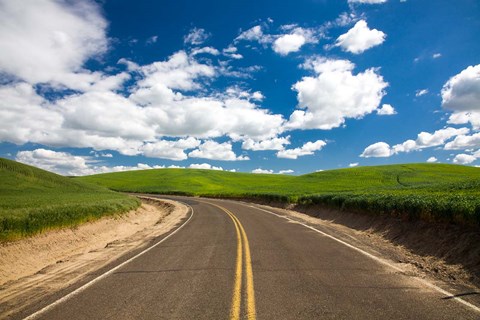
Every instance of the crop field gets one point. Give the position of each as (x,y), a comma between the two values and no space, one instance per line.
(431,192)
(33,200)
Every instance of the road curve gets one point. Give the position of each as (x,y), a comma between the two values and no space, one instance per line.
(235,261)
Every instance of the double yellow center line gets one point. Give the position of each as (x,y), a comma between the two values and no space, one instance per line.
(242,245)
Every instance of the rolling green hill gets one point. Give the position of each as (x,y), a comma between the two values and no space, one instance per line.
(33,200)
(439,192)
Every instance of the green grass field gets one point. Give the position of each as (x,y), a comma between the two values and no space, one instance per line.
(432,192)
(33,200)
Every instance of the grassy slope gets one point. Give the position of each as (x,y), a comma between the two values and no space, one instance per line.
(32,200)
(429,191)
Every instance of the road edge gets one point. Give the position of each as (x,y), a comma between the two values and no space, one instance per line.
(373,257)
(110,271)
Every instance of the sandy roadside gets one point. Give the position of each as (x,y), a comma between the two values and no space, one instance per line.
(33,268)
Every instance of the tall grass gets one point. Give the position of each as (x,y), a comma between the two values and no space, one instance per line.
(34,200)
(431,192)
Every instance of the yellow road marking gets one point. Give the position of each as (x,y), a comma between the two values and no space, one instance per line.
(237,289)
(251,311)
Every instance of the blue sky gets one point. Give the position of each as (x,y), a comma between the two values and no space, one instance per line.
(253,86)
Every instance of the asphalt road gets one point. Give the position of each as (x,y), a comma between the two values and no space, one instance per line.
(234,261)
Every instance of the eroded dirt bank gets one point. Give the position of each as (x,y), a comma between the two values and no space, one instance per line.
(33,268)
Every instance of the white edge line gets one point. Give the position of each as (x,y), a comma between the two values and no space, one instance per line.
(104,275)
(380,260)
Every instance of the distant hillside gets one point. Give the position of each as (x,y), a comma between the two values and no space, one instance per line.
(32,200)
(210,182)
(428,191)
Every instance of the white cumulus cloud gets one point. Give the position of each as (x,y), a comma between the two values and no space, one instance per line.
(269,144)
(461,94)
(67,164)
(180,71)
(205,50)
(158,106)
(427,140)
(334,94)
(464,158)
(432,160)
(462,91)
(262,171)
(25,116)
(205,166)
(293,41)
(464,142)
(464,117)
(308,148)
(360,38)
(216,151)
(257,96)
(282,43)
(288,43)
(59,162)
(49,41)
(424,140)
(172,150)
(386,110)
(377,150)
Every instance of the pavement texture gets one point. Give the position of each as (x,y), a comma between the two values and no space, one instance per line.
(234,261)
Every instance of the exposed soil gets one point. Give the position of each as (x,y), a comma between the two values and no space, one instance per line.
(33,268)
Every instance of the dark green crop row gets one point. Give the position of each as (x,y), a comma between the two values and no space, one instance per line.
(453,208)
(29,221)
(459,209)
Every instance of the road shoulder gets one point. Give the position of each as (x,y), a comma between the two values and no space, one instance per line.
(34,268)
(451,277)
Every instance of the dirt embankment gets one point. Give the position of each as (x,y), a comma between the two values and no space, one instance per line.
(33,268)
